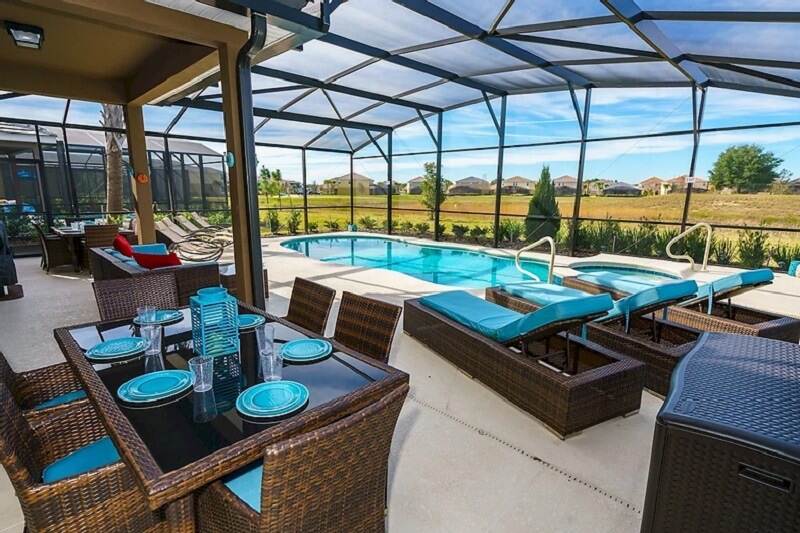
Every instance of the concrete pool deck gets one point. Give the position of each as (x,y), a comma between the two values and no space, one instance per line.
(463,458)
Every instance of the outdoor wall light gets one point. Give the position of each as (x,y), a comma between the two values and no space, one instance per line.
(25,35)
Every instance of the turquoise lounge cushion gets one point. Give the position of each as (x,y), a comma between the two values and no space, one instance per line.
(662,293)
(95,455)
(794,266)
(501,324)
(157,248)
(747,278)
(116,255)
(64,398)
(134,264)
(542,293)
(619,282)
(246,484)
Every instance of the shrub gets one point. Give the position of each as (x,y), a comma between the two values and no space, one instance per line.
(543,204)
(331,224)
(460,231)
(219,218)
(694,245)
(442,228)
(385,225)
(313,226)
(18,224)
(273,221)
(662,238)
(783,254)
(367,222)
(406,226)
(753,249)
(422,227)
(478,231)
(723,251)
(511,230)
(293,221)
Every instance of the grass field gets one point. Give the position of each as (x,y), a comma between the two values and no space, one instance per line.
(726,209)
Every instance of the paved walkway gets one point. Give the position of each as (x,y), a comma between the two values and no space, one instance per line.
(463,458)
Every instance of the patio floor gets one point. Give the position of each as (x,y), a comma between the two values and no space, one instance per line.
(463,458)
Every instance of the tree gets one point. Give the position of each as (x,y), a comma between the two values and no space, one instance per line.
(745,168)
(113,117)
(542,220)
(271,184)
(428,197)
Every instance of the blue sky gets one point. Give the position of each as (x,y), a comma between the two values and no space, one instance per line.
(531,118)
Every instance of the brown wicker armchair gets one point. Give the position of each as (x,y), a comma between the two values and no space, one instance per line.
(44,391)
(119,298)
(98,236)
(55,251)
(332,479)
(102,499)
(310,305)
(367,325)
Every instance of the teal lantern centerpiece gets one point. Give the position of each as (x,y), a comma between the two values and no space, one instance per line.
(215,322)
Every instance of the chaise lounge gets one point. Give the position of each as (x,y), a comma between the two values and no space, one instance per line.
(568,383)
(710,309)
(632,328)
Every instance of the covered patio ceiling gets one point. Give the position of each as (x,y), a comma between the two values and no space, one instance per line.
(387,63)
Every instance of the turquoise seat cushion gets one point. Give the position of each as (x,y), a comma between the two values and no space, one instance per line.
(61,400)
(157,248)
(745,279)
(95,455)
(793,268)
(666,293)
(501,324)
(542,293)
(619,282)
(115,254)
(246,484)
(134,264)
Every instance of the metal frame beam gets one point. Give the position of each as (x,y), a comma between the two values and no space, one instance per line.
(436,225)
(697,125)
(584,46)
(285,115)
(498,189)
(726,16)
(464,27)
(333,87)
(634,17)
(583,120)
(389,184)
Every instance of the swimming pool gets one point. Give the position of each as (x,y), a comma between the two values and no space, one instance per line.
(443,265)
(645,274)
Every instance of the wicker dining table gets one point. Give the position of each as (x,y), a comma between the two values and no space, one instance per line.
(170,454)
(73,238)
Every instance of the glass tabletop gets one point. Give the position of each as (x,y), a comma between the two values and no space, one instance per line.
(170,431)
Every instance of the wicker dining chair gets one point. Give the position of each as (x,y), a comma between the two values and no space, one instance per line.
(101,499)
(98,236)
(367,325)
(331,479)
(44,391)
(119,298)
(55,252)
(310,305)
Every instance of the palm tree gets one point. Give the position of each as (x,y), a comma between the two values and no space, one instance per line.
(113,117)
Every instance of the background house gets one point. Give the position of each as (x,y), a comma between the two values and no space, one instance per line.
(565,185)
(516,185)
(414,185)
(678,184)
(470,185)
(653,185)
(341,186)
(621,189)
(595,187)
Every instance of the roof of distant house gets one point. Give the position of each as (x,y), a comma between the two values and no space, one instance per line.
(418,179)
(356,177)
(566,178)
(471,179)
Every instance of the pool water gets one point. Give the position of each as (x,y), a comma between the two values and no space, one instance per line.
(642,273)
(445,266)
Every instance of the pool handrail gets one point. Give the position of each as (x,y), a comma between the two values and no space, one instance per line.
(534,245)
(709,230)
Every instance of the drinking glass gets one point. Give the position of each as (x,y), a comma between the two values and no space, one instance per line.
(202,372)
(205,406)
(265,337)
(153,360)
(146,314)
(271,363)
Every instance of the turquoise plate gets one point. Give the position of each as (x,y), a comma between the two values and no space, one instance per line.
(250,321)
(155,386)
(272,399)
(117,349)
(167,316)
(306,350)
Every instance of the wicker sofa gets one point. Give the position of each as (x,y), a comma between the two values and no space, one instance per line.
(189,277)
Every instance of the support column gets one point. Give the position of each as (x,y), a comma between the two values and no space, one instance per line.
(142,192)
(237,103)
(305,192)
(498,187)
(352,192)
(584,124)
(697,123)
(389,186)
(436,225)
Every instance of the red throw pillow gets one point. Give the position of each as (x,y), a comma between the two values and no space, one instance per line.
(122,245)
(151,261)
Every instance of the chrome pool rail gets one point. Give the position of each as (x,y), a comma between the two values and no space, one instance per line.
(552,258)
(709,231)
